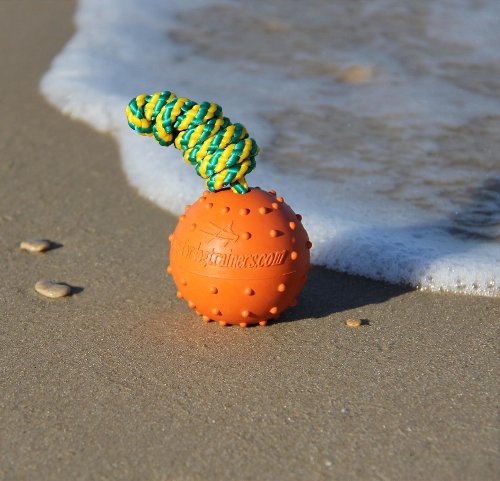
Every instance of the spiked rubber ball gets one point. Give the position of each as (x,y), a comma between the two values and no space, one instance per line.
(239,259)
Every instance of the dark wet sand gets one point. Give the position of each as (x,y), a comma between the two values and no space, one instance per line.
(122,381)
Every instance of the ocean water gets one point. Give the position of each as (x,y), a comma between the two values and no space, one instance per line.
(378,120)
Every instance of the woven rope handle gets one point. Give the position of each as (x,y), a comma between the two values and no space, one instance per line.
(221,151)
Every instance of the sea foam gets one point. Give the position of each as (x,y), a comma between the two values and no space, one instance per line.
(351,181)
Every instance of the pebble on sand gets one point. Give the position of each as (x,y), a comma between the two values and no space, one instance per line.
(353,322)
(356,74)
(35,245)
(52,289)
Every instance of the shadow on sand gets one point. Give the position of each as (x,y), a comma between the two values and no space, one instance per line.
(327,292)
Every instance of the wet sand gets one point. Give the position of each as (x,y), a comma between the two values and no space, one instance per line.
(121,381)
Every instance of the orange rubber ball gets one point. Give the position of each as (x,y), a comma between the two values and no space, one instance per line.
(239,258)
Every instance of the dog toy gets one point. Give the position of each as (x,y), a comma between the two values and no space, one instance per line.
(239,254)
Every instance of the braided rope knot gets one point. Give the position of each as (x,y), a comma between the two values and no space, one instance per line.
(222,152)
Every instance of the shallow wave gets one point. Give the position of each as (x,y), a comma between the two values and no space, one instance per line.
(378,127)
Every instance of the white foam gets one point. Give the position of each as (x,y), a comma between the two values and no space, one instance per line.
(121,49)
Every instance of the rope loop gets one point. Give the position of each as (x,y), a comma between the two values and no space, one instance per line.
(221,152)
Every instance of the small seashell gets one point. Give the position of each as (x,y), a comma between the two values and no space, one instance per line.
(35,245)
(353,322)
(52,289)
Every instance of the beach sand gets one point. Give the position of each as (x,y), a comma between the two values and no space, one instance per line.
(121,381)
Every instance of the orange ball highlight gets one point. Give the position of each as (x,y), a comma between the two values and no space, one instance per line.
(243,260)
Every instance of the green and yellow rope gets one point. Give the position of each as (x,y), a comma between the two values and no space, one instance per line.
(221,151)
